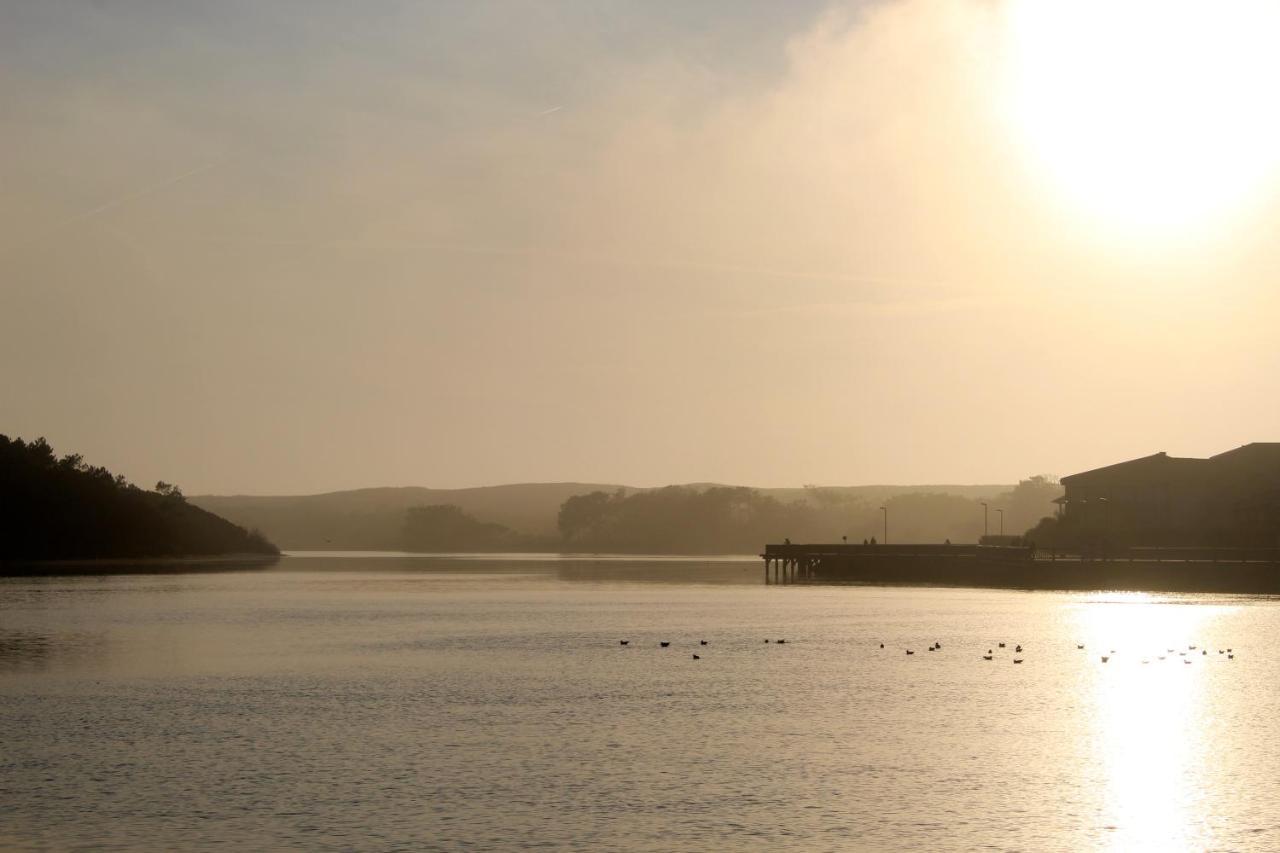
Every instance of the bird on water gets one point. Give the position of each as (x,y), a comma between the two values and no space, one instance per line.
(664,643)
(1017,660)
(987,657)
(702,642)
(697,657)
(910,652)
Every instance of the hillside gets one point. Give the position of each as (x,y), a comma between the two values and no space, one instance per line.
(374,518)
(64,509)
(881,493)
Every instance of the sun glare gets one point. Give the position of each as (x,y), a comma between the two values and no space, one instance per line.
(1148,715)
(1147,116)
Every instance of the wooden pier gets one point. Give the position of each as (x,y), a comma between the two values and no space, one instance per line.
(1228,570)
(788,563)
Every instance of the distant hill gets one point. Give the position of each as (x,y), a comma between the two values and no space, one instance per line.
(55,508)
(373,519)
(882,493)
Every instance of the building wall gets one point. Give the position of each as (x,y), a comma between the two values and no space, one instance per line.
(1233,498)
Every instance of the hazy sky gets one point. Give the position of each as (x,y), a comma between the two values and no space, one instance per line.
(278,247)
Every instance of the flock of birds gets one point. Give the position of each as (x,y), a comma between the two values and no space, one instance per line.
(991,654)
(1017,649)
(667,643)
(1186,654)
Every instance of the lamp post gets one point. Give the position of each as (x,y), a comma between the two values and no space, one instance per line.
(885,510)
(1001,511)
(1104,524)
(984,519)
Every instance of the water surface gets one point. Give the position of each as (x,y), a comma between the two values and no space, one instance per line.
(397,702)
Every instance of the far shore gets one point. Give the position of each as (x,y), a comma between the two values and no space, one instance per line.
(137,565)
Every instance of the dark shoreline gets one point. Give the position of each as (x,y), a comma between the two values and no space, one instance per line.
(1038,575)
(138,565)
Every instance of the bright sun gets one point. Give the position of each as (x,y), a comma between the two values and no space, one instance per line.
(1148,116)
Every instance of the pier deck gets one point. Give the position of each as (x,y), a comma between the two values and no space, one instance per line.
(788,563)
(1227,570)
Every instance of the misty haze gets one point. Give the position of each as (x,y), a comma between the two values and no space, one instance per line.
(639,425)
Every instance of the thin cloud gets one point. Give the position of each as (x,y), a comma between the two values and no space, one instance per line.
(111,205)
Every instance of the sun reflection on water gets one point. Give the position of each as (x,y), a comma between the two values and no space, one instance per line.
(1147,717)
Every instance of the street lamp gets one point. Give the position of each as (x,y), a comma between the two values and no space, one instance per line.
(984,519)
(1001,511)
(885,510)
(1104,522)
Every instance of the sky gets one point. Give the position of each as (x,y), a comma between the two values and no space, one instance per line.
(294,247)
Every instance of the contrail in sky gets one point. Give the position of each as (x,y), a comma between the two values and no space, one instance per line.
(113,204)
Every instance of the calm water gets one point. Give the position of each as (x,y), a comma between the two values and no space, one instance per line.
(403,703)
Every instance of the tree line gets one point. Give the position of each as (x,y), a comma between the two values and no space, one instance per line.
(725,519)
(55,508)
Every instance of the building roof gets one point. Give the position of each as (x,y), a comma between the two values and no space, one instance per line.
(1253,449)
(1140,462)
(1256,452)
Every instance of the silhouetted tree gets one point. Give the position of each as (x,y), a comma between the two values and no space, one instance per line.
(931,517)
(445,527)
(681,519)
(721,519)
(169,490)
(1047,533)
(53,508)
(581,514)
(1029,501)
